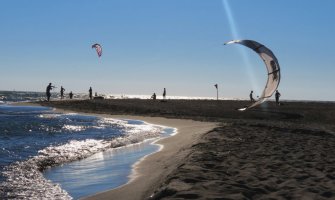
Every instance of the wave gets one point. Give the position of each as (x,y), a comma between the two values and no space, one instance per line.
(24,179)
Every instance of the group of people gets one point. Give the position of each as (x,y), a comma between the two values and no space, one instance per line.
(277,95)
(62,90)
(164,95)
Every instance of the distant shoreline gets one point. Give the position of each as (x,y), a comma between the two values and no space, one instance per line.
(109,96)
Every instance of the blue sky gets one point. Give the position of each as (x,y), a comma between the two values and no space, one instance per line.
(177,44)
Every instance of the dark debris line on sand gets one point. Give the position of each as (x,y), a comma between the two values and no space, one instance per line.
(241,162)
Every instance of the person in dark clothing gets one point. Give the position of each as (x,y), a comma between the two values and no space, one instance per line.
(277,95)
(48,91)
(251,97)
(62,92)
(153,96)
(164,94)
(90,92)
(71,95)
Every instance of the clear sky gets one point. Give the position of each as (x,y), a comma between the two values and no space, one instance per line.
(177,44)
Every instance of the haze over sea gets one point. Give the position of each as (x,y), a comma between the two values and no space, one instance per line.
(42,152)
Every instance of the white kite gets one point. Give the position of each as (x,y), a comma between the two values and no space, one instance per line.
(98,49)
(272,67)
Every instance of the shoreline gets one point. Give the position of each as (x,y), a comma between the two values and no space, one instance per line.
(157,165)
(173,149)
(150,170)
(270,152)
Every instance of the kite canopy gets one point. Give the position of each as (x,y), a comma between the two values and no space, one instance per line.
(272,67)
(97,48)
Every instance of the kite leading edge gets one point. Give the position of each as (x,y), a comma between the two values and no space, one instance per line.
(272,67)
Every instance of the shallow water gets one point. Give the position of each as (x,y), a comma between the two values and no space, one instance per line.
(36,139)
(100,172)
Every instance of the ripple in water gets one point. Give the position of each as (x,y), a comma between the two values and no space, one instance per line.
(61,139)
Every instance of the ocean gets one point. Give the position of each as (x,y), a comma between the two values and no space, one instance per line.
(50,155)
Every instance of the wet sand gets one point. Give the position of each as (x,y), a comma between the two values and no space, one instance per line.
(271,152)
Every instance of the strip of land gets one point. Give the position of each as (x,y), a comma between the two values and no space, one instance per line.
(271,152)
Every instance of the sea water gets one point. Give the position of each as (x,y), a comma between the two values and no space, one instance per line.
(50,155)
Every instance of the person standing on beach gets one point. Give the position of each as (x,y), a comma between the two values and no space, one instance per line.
(62,92)
(90,92)
(48,93)
(277,95)
(71,95)
(164,94)
(153,96)
(251,97)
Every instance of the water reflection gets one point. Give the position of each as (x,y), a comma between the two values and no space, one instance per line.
(102,171)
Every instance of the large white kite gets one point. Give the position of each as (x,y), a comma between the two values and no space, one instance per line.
(272,67)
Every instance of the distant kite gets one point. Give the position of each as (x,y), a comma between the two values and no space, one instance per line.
(272,67)
(98,49)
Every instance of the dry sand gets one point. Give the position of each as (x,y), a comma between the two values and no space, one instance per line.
(270,152)
(255,161)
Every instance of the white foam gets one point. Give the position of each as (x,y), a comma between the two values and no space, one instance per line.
(25,180)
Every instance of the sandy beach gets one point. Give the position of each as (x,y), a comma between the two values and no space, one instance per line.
(271,152)
(153,169)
